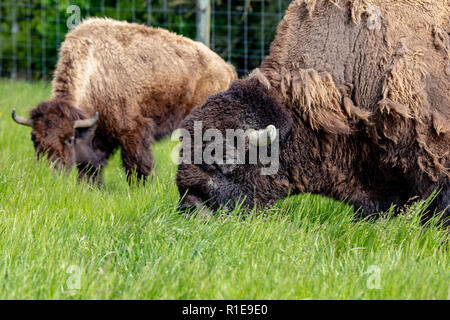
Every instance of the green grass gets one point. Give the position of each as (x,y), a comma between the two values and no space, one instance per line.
(130,242)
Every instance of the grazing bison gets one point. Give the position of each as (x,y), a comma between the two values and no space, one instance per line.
(359,93)
(140,82)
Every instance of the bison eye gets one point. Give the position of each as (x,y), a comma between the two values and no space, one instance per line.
(69,141)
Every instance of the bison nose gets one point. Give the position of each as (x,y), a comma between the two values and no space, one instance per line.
(185,208)
(195,210)
(189,203)
(193,205)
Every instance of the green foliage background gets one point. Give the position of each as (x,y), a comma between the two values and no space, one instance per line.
(31,31)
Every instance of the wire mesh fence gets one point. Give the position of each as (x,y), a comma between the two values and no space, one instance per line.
(32,31)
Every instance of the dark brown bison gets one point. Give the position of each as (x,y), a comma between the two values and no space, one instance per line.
(359,92)
(140,82)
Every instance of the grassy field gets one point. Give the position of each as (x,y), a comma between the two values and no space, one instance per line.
(62,239)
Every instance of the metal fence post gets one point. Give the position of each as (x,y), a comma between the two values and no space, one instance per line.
(203,21)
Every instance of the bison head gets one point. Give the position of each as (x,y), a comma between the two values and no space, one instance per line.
(247,123)
(61,132)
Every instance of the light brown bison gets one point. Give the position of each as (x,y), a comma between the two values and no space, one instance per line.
(140,82)
(360,94)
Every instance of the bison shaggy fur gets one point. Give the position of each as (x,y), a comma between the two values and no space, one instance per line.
(141,81)
(360,93)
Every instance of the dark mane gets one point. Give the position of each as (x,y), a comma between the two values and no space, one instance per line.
(57,108)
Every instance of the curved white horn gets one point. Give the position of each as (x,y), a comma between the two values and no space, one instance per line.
(263,137)
(86,123)
(21,120)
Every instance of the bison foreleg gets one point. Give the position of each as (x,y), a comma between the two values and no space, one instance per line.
(136,156)
(371,207)
(441,204)
(137,161)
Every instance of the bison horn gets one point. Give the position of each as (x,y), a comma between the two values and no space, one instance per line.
(263,137)
(21,120)
(86,123)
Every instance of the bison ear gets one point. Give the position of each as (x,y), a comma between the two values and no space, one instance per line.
(284,124)
(85,127)
(85,133)
(269,112)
